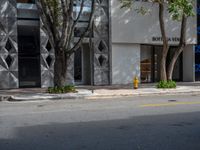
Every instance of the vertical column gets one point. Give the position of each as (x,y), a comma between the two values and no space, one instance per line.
(47,58)
(101,69)
(8,45)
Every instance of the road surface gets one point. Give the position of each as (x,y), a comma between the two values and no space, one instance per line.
(129,123)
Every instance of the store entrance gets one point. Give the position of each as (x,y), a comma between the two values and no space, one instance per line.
(29,56)
(150,64)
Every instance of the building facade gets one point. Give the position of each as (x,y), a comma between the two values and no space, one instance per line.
(136,40)
(27,57)
(123,44)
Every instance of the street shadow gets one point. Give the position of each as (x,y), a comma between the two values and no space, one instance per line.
(161,132)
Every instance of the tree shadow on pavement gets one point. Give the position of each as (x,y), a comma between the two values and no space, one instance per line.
(161,132)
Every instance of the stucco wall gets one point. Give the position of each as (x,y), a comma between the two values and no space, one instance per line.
(125,63)
(130,27)
(188,64)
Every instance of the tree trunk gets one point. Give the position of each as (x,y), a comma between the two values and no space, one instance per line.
(163,76)
(170,68)
(60,69)
(179,50)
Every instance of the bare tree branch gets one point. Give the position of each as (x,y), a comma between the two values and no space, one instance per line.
(77,44)
(67,44)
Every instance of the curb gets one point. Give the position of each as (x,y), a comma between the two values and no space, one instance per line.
(53,97)
(44,96)
(35,97)
(95,94)
(90,95)
(142,94)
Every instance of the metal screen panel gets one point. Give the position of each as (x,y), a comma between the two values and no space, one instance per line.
(8,45)
(47,58)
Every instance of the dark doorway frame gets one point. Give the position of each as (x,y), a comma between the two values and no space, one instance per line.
(29,59)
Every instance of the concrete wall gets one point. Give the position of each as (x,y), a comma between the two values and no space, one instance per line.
(125,62)
(130,27)
(188,64)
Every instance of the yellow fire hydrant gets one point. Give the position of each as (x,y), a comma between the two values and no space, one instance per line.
(135,82)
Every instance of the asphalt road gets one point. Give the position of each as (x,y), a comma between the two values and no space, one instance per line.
(137,123)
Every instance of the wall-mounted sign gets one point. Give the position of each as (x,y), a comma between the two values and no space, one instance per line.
(170,39)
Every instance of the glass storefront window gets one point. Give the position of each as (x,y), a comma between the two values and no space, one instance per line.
(197,49)
(86,10)
(197,63)
(146,64)
(150,63)
(84,18)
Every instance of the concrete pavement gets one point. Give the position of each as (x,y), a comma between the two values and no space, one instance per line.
(94,92)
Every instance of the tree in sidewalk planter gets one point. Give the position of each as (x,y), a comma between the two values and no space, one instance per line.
(179,10)
(60,19)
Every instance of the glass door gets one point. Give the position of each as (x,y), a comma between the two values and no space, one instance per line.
(29,57)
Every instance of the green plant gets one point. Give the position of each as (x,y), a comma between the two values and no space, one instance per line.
(64,89)
(166,84)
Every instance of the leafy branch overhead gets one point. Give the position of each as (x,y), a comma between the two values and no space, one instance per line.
(177,8)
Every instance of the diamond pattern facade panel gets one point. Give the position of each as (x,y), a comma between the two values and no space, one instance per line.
(47,58)
(101,43)
(8,45)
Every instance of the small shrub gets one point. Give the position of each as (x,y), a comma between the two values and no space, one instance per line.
(64,89)
(166,84)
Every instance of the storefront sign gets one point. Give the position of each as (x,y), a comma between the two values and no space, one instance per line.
(170,39)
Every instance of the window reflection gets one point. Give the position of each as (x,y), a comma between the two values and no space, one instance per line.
(86,9)
(84,18)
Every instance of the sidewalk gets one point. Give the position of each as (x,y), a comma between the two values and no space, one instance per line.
(97,92)
(143,90)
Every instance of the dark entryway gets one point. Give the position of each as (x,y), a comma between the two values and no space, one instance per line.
(82,65)
(29,56)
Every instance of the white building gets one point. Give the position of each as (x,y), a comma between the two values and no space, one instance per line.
(137,44)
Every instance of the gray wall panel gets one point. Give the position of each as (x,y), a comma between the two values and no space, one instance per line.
(8,45)
(48,55)
(101,70)
(47,58)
